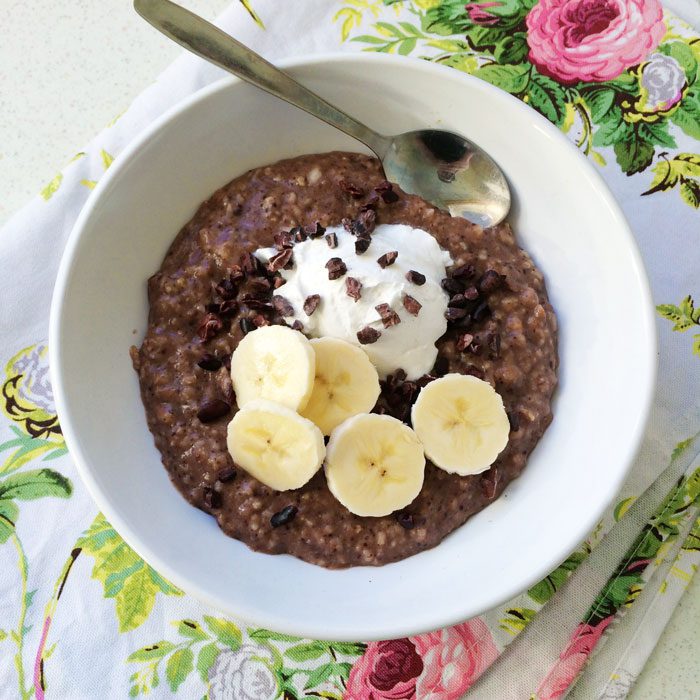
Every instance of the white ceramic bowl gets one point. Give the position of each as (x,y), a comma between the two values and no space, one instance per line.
(564,216)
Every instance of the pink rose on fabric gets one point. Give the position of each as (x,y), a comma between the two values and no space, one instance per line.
(453,659)
(386,671)
(571,660)
(592,40)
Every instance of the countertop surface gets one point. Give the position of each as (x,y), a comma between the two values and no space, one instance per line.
(89,60)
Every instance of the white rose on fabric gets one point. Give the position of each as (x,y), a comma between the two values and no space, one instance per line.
(242,675)
(35,387)
(619,687)
(662,80)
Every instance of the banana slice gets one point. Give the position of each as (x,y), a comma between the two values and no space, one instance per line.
(461,422)
(275,445)
(274,363)
(374,464)
(346,383)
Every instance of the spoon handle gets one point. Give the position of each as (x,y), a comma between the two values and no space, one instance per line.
(209,42)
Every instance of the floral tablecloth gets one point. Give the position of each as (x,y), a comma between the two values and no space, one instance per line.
(82,616)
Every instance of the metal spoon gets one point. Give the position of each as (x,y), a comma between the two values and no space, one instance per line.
(444,168)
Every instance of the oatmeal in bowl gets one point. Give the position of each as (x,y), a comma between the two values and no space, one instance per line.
(498,538)
(311,299)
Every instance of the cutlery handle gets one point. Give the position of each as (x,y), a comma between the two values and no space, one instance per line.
(209,42)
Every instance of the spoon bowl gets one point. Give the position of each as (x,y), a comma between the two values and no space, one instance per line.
(444,168)
(451,172)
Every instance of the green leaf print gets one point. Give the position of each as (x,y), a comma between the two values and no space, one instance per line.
(349,648)
(513,79)
(683,170)
(687,116)
(516,620)
(614,128)
(26,448)
(447,17)
(683,54)
(253,14)
(612,597)
(541,592)
(263,635)
(225,631)
(51,189)
(107,158)
(655,133)
(684,316)
(681,447)
(600,101)
(205,659)
(306,651)
(135,594)
(179,666)
(153,651)
(692,542)
(191,630)
(622,507)
(320,675)
(547,97)
(690,193)
(125,576)
(35,483)
(9,512)
(513,49)
(692,486)
(633,155)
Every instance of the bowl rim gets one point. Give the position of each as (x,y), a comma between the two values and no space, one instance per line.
(402,627)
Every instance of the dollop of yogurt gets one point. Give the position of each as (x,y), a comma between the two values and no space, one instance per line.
(409,344)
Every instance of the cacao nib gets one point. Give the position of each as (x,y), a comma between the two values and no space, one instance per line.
(226,474)
(388,258)
(280,260)
(413,306)
(246,325)
(212,499)
(368,335)
(284,516)
(209,327)
(209,362)
(212,409)
(353,288)
(415,277)
(336,268)
(315,230)
(361,245)
(354,191)
(282,306)
(464,341)
(490,281)
(451,285)
(311,304)
(388,315)
(386,191)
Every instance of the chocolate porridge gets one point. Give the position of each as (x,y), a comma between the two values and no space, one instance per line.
(210,291)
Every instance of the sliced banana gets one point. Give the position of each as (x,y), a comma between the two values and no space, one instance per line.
(275,363)
(461,422)
(374,464)
(346,383)
(275,445)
